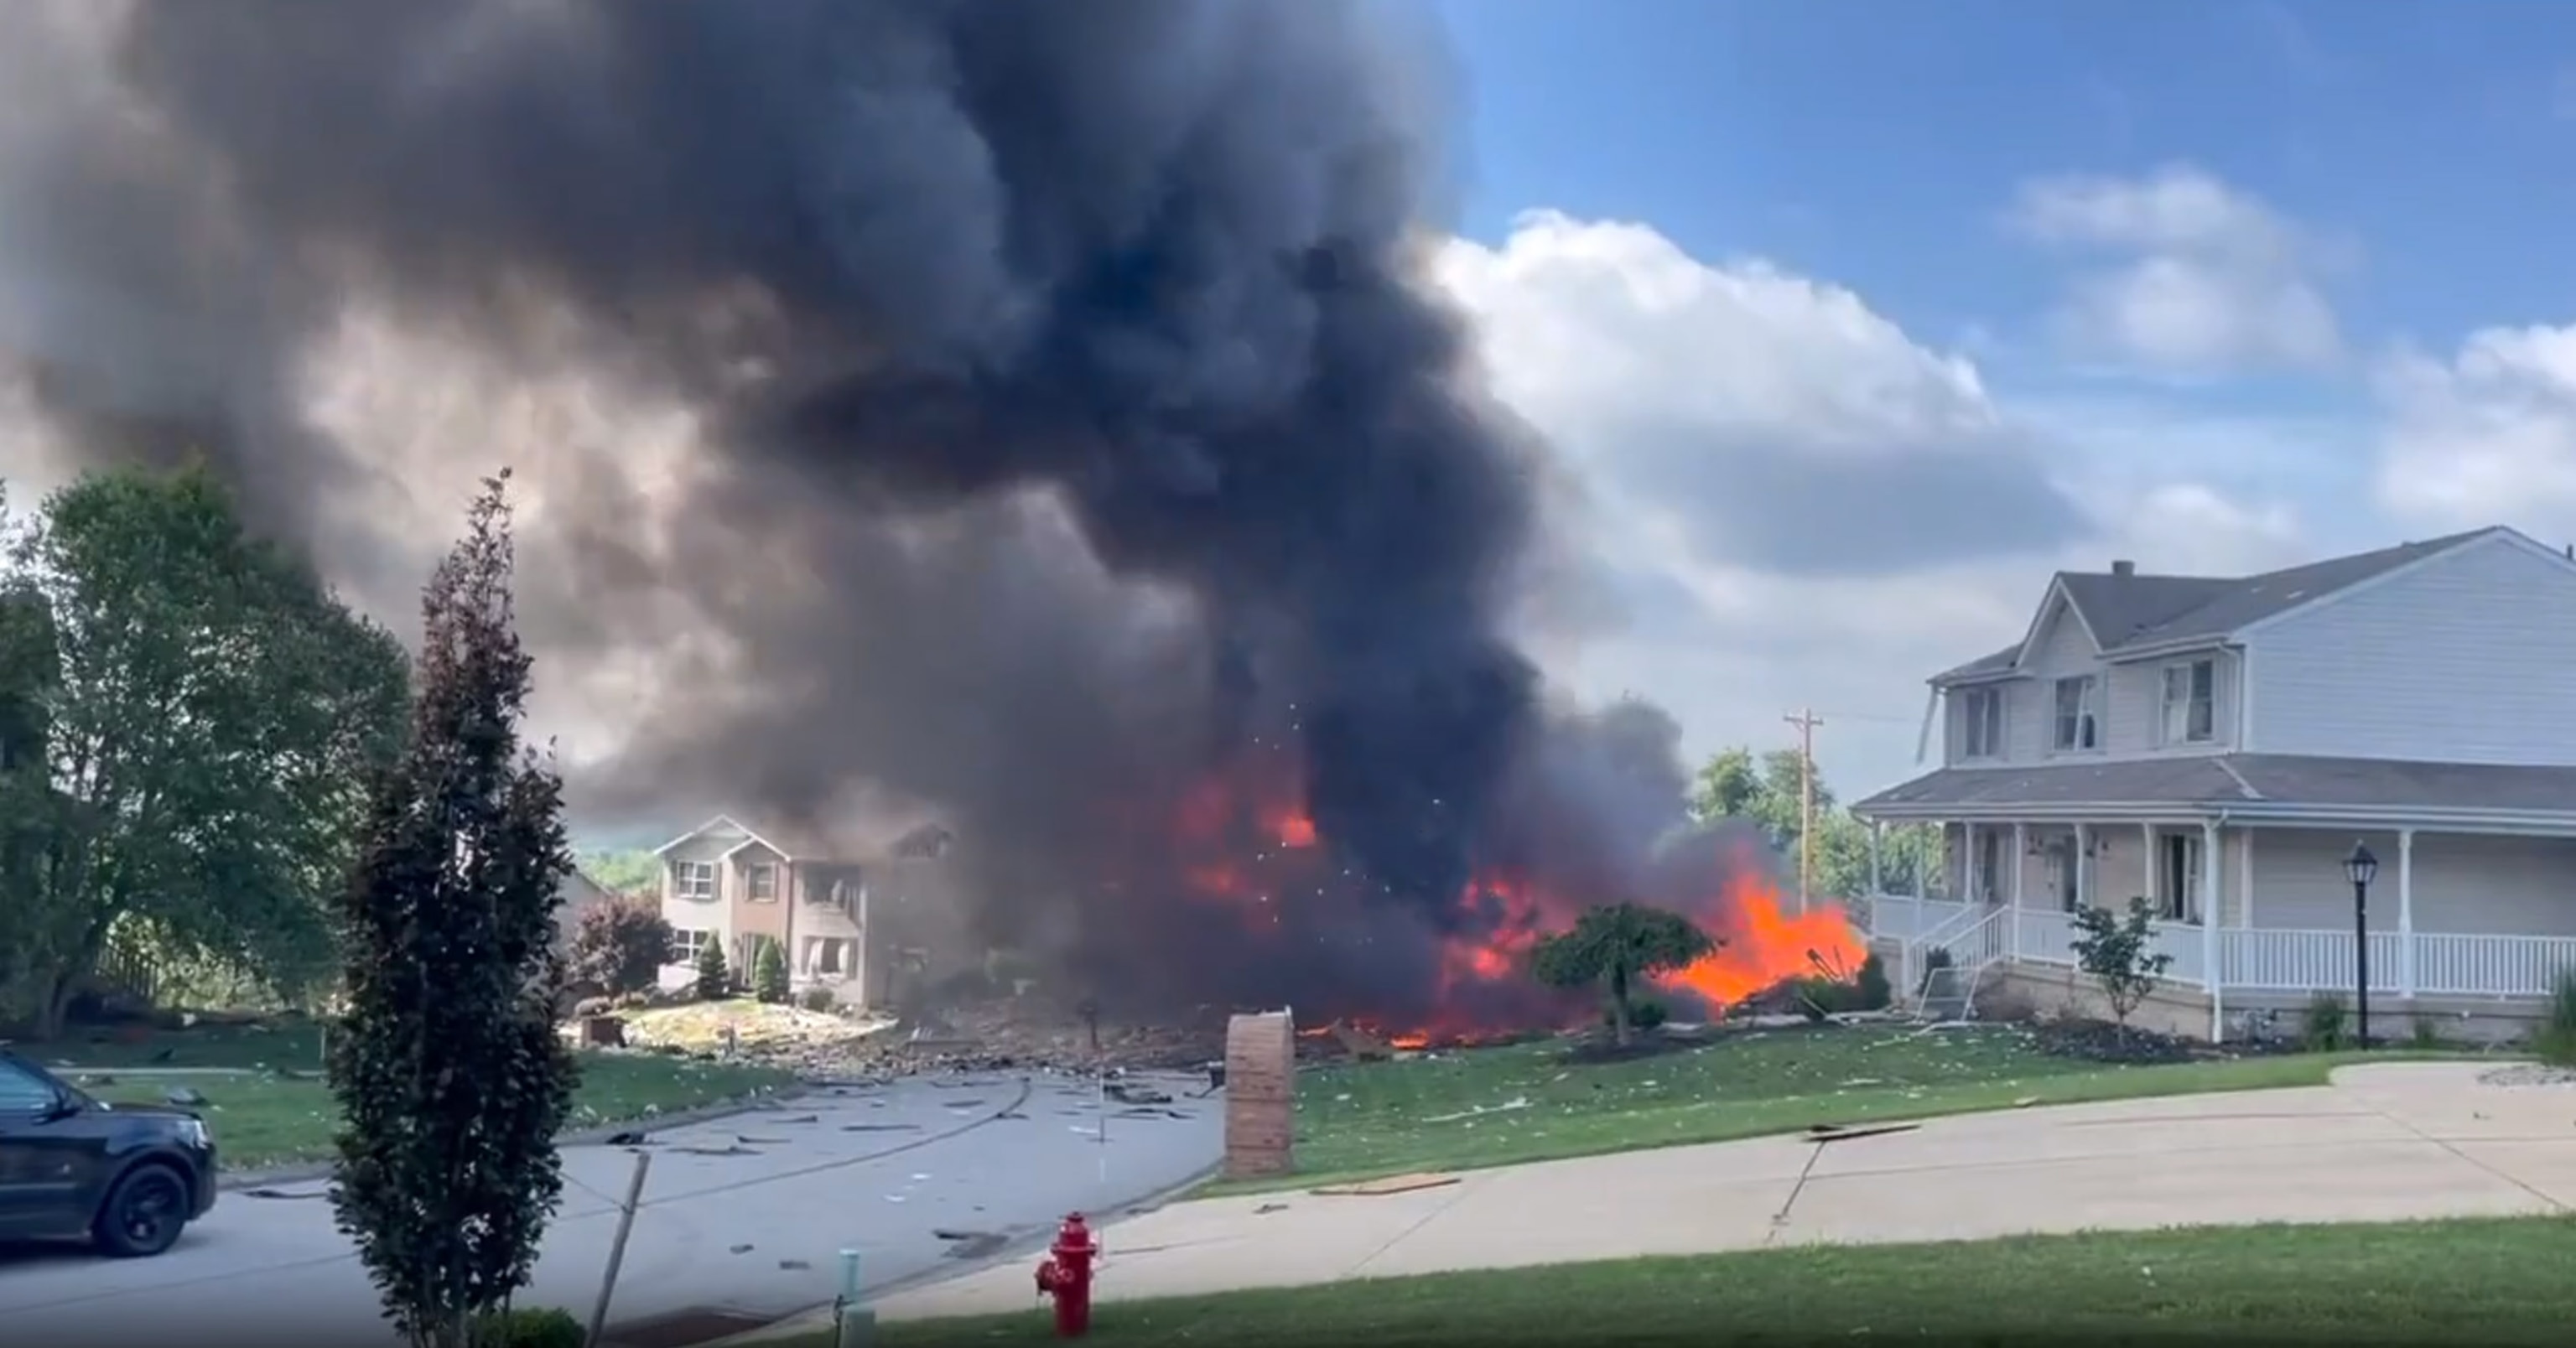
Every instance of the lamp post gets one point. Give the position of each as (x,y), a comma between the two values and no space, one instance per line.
(2360,868)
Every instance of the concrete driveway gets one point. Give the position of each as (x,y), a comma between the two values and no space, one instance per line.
(2385,1142)
(746,1214)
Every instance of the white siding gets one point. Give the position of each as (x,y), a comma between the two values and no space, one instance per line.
(2127,704)
(2464,884)
(2462,659)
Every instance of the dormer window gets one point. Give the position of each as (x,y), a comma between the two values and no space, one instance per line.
(1981,723)
(2078,723)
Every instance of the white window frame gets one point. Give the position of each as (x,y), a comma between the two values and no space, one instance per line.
(2187,702)
(760,875)
(1981,722)
(2077,730)
(837,967)
(694,880)
(687,943)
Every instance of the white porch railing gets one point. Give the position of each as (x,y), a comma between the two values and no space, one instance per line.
(2255,959)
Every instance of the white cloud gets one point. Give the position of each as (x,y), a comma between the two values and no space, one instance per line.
(2189,275)
(2486,436)
(1810,417)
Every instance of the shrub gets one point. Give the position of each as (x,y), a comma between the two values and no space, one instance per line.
(769,974)
(1934,961)
(1644,1013)
(620,946)
(2323,1027)
(2556,1040)
(715,980)
(532,1327)
(2425,1034)
(1875,991)
(819,999)
(2120,955)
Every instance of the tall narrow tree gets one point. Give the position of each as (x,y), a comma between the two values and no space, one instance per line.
(450,1073)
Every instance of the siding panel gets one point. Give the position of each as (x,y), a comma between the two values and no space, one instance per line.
(2462,660)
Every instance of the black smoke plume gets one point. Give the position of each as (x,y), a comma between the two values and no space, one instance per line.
(1076,427)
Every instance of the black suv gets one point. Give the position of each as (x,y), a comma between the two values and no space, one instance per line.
(129,1177)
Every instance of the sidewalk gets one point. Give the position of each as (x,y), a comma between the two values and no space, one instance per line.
(2385,1142)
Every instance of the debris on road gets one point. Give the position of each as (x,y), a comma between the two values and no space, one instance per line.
(1380,1188)
(1846,1132)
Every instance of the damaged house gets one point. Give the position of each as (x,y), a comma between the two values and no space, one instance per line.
(844,922)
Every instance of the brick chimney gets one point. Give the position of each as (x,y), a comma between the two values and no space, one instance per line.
(2124,567)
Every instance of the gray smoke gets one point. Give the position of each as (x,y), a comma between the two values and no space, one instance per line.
(1078,431)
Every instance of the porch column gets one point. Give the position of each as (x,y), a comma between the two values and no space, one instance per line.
(2150,874)
(1923,868)
(2244,877)
(2209,909)
(2083,865)
(1968,863)
(2021,869)
(2406,912)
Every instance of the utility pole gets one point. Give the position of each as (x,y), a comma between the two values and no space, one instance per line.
(1806,720)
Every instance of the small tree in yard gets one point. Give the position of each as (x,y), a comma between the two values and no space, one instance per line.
(769,974)
(451,1077)
(2119,953)
(620,946)
(1614,946)
(715,980)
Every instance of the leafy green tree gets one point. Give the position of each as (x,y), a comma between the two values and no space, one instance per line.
(1614,946)
(769,973)
(623,870)
(451,1076)
(715,978)
(1764,791)
(209,718)
(2118,951)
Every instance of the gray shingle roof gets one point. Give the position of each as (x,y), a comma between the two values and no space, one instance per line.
(2236,779)
(2147,610)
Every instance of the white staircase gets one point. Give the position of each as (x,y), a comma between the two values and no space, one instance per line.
(1973,942)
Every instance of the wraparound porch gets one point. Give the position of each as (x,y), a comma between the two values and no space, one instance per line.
(2254,914)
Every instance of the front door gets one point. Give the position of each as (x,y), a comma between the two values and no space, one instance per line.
(1990,866)
(2179,882)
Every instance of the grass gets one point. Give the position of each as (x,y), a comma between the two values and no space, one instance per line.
(2487,1281)
(1504,1106)
(269,1107)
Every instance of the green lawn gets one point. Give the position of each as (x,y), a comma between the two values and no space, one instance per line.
(268,1105)
(1503,1106)
(2496,1281)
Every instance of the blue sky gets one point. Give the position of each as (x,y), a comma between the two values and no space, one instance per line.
(2242,283)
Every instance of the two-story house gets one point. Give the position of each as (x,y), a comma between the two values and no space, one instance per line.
(2223,746)
(726,885)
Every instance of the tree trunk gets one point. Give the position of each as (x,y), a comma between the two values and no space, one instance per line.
(1619,1007)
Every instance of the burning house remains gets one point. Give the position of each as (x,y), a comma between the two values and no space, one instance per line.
(1050,425)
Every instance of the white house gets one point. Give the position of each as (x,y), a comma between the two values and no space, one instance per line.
(2220,745)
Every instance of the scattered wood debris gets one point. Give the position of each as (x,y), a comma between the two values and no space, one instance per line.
(1379,1188)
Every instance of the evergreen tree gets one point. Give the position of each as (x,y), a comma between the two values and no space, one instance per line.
(715,979)
(769,973)
(451,1076)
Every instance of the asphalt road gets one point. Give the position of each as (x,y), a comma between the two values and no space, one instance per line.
(746,1214)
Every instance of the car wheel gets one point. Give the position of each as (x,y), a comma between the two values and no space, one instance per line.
(143,1214)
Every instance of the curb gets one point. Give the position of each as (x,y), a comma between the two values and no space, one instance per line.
(590,1136)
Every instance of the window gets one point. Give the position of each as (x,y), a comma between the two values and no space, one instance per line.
(2178,878)
(22,1091)
(693,879)
(764,882)
(827,957)
(1981,723)
(687,944)
(2191,703)
(2077,728)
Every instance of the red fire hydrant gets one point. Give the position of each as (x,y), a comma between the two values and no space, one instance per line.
(1065,1274)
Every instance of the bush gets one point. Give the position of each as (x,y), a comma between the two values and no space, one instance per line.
(1644,1013)
(819,999)
(769,974)
(1934,960)
(2322,1027)
(2119,954)
(620,946)
(715,981)
(2556,1040)
(1876,993)
(534,1327)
